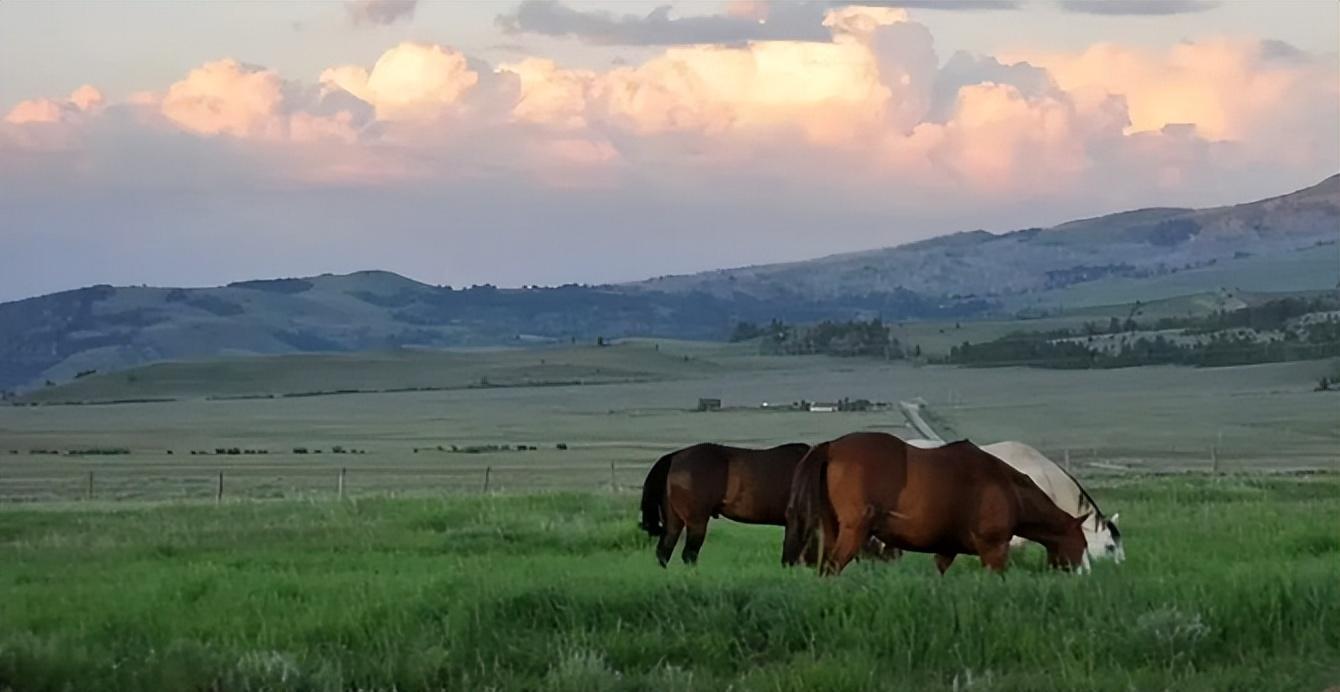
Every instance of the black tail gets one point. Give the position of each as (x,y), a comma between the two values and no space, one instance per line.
(809,502)
(653,497)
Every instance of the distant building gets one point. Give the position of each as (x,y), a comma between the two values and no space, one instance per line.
(709,404)
(823,407)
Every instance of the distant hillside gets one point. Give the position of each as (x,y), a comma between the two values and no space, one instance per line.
(1137,245)
(60,336)
(310,374)
(1284,243)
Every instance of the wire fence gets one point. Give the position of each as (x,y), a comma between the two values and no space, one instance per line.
(84,479)
(121,482)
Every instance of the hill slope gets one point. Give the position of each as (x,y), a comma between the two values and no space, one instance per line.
(1283,243)
(1136,244)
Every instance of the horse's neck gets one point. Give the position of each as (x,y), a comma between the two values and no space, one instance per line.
(1039,517)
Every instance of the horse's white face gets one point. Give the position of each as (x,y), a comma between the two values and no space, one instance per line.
(1104,542)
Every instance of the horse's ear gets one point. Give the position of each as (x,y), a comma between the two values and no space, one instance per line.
(1114,517)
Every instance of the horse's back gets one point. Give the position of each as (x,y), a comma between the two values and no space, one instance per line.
(749,485)
(758,483)
(932,499)
(1045,473)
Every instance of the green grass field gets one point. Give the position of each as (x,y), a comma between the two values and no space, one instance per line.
(1231,584)
(418,581)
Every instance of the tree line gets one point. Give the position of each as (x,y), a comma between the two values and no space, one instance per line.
(846,339)
(1227,338)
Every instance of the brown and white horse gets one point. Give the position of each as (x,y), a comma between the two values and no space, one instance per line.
(951,500)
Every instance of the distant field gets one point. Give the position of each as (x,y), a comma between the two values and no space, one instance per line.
(1145,419)
(1230,585)
(381,371)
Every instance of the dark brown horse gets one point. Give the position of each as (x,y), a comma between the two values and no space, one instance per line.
(686,488)
(950,500)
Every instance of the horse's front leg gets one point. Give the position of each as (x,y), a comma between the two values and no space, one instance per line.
(995,556)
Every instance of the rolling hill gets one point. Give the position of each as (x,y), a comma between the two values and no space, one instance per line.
(1282,243)
(1130,245)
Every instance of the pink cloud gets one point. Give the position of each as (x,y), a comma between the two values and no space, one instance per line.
(411,81)
(1230,89)
(85,99)
(869,111)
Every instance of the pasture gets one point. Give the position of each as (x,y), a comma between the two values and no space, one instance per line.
(1151,419)
(1231,583)
(417,580)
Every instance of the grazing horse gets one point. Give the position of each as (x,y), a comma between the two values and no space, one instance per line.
(1101,535)
(955,499)
(688,487)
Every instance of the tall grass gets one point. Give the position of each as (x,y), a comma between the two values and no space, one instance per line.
(1231,584)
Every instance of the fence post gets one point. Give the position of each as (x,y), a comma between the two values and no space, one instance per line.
(1214,459)
(613,487)
(218,493)
(88,492)
(488,470)
(341,484)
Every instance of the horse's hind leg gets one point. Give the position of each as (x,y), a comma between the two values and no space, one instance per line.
(666,547)
(811,554)
(697,533)
(850,538)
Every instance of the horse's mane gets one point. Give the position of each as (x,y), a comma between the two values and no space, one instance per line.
(1085,497)
(1086,500)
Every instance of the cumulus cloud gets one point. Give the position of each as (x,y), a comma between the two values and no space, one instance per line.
(411,81)
(84,100)
(227,97)
(379,12)
(1138,7)
(1230,89)
(965,69)
(869,113)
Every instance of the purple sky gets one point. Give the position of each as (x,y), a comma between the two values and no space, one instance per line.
(547,142)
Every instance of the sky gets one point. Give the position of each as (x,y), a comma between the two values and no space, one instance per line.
(554,141)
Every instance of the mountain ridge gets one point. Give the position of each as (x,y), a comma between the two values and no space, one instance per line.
(1139,239)
(966,274)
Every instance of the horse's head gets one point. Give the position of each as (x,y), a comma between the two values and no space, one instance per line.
(1071,550)
(1104,539)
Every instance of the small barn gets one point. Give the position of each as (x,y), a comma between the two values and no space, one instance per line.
(709,404)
